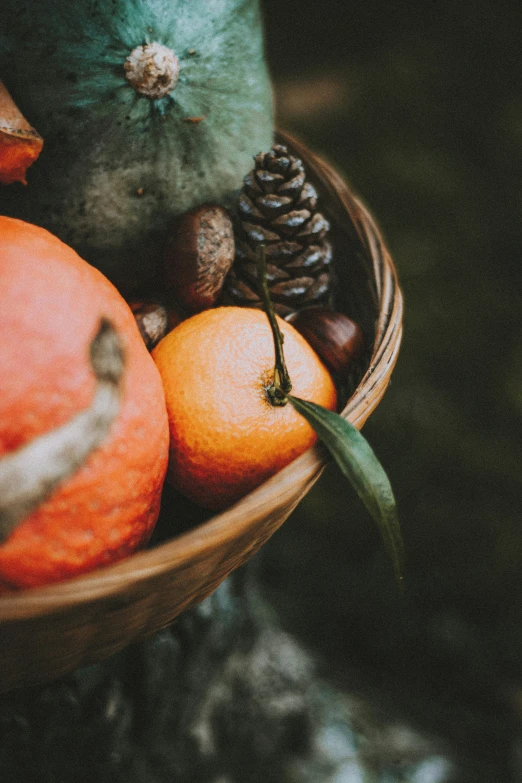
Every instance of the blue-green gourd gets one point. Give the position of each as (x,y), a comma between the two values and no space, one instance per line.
(147,108)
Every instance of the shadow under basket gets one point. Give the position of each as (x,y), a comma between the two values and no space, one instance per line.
(47,632)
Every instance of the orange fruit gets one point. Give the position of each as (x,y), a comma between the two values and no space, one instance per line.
(52,303)
(226,437)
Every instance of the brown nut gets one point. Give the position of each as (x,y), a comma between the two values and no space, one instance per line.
(199,254)
(337,340)
(153,321)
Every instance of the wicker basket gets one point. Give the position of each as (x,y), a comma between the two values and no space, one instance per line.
(50,631)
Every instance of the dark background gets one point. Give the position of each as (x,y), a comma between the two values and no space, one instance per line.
(420,107)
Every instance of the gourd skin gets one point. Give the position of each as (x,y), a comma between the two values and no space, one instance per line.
(117,166)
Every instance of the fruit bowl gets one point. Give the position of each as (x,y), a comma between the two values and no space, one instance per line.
(47,632)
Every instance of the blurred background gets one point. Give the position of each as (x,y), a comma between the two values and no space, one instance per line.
(419,106)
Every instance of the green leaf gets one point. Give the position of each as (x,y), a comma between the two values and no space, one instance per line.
(356,459)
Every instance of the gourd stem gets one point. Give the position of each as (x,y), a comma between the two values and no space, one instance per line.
(152,69)
(29,475)
(282,385)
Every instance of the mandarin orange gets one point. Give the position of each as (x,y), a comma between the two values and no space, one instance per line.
(53,302)
(226,437)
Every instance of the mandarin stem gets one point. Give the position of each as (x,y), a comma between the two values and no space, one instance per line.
(282,384)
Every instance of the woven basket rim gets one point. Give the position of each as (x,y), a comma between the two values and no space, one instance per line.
(277,492)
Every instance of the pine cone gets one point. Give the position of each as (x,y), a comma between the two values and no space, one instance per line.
(277,209)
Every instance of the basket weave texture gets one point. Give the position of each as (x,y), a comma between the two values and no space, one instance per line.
(47,632)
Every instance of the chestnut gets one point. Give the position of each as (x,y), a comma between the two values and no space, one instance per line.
(337,340)
(199,253)
(154,320)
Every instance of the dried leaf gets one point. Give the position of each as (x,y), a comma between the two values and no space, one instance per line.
(20,144)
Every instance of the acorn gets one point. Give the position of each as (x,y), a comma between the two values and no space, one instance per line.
(199,253)
(337,340)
